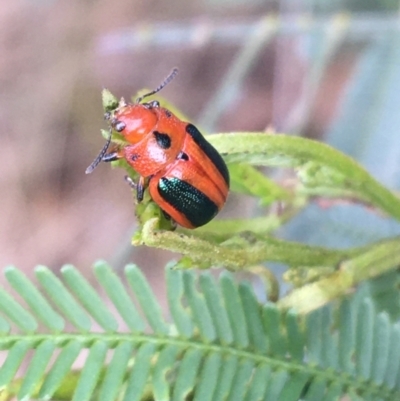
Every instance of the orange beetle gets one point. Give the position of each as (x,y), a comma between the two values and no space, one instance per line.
(185,174)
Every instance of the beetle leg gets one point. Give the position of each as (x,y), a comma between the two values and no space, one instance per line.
(140,189)
(131,183)
(168,217)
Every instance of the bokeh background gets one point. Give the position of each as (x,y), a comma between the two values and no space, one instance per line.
(329,70)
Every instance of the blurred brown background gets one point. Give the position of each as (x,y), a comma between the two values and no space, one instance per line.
(235,74)
(56,58)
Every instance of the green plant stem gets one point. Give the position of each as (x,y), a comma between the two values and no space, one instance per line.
(240,253)
(269,279)
(288,151)
(221,230)
(373,261)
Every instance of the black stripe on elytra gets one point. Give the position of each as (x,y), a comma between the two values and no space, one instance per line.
(163,140)
(187,200)
(209,150)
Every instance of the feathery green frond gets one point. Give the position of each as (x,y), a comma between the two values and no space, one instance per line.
(220,344)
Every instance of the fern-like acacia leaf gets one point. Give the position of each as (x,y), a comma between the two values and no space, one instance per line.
(219,344)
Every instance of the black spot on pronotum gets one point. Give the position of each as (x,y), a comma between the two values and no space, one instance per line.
(134,157)
(168,113)
(163,140)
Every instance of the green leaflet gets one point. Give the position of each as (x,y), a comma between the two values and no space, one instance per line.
(321,169)
(227,346)
(247,180)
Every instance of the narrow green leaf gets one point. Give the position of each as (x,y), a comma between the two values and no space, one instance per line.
(276,384)
(139,373)
(253,318)
(352,396)
(235,310)
(316,391)
(393,366)
(62,298)
(366,396)
(118,295)
(116,372)
(247,180)
(165,362)
(225,380)
(208,378)
(241,381)
(218,312)
(34,299)
(146,298)
(198,306)
(364,339)
(296,340)
(329,356)
(334,393)
(4,326)
(294,388)
(187,374)
(320,165)
(272,327)
(175,292)
(259,383)
(314,336)
(91,372)
(346,336)
(36,369)
(89,298)
(224,229)
(380,352)
(109,101)
(384,290)
(60,369)
(397,386)
(16,313)
(15,356)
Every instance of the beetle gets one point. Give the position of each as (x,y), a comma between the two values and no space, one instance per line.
(186,176)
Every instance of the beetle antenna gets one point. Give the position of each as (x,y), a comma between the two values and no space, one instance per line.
(166,81)
(100,156)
